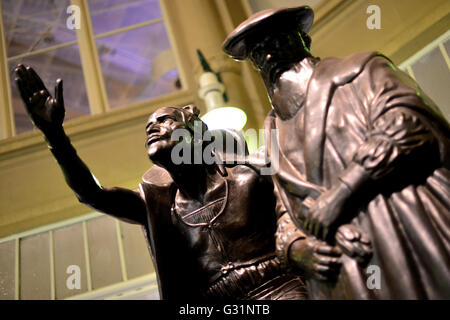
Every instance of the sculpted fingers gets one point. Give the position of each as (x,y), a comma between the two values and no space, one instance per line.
(31,87)
(31,82)
(317,226)
(20,71)
(345,244)
(306,223)
(35,81)
(331,262)
(365,253)
(24,75)
(325,273)
(348,233)
(324,232)
(38,99)
(320,218)
(22,83)
(354,243)
(57,110)
(24,92)
(326,262)
(325,249)
(312,223)
(59,92)
(364,238)
(45,112)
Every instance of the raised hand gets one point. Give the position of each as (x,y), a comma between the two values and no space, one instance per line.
(47,113)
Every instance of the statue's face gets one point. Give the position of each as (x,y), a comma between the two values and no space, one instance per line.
(276,50)
(160,126)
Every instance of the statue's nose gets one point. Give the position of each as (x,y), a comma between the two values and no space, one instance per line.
(153,129)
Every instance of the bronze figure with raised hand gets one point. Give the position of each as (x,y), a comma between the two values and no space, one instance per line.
(210,228)
(364,159)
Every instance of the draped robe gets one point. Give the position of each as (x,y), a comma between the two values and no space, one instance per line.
(362,109)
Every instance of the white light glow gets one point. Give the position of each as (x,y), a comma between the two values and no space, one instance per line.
(225,118)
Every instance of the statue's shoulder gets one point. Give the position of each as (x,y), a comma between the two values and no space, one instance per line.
(239,170)
(356,59)
(156,189)
(345,69)
(157,177)
(243,178)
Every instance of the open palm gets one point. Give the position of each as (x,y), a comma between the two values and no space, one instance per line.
(45,111)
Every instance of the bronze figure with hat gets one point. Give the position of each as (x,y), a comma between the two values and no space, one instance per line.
(364,163)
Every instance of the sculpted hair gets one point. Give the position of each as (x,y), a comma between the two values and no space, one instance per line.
(190,114)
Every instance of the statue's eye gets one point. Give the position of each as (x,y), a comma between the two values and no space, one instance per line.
(166,119)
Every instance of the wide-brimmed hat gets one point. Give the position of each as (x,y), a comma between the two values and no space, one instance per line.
(240,41)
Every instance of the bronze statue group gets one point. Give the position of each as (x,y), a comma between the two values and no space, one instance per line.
(362,188)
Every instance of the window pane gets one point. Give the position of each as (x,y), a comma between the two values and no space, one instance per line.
(137,65)
(7,270)
(107,15)
(35,24)
(35,267)
(60,63)
(433,76)
(137,256)
(103,252)
(69,250)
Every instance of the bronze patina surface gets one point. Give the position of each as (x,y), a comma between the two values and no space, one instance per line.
(363,163)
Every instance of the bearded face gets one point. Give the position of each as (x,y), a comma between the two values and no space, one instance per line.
(278,51)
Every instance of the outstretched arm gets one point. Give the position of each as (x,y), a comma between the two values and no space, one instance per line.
(47,114)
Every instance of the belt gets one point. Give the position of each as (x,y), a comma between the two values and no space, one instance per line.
(238,281)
